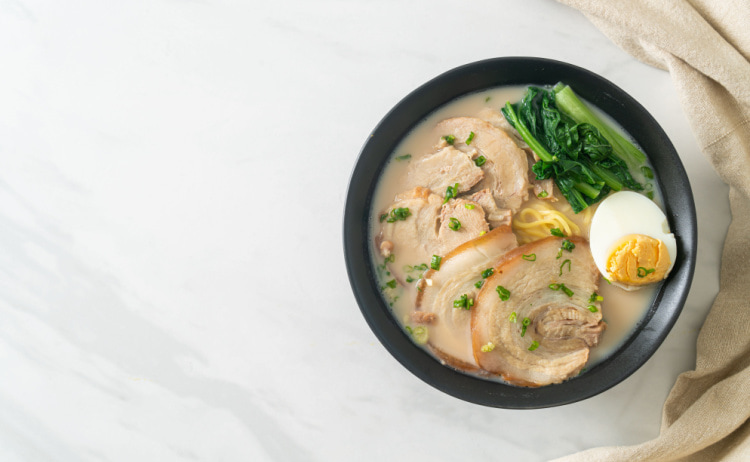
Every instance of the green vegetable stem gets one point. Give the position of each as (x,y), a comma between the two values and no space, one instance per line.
(574,152)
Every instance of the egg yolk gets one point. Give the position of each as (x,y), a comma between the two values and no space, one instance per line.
(638,260)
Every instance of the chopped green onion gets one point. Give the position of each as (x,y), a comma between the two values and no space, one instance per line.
(482,233)
(462,302)
(542,194)
(512,317)
(595,298)
(421,267)
(454,224)
(503,293)
(534,345)
(390,258)
(451,192)
(529,257)
(592,308)
(398,214)
(647,172)
(568,245)
(391,283)
(479,161)
(435,262)
(488,347)
(524,324)
(562,287)
(450,139)
(404,157)
(408,268)
(471,137)
(383,217)
(643,272)
(563,264)
(487,273)
(420,335)
(650,195)
(478,284)
(408,329)
(469,206)
(487,99)
(410,279)
(469,303)
(556,232)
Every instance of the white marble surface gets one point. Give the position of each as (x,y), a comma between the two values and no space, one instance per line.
(172,180)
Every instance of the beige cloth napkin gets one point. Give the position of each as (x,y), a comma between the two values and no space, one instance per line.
(705,45)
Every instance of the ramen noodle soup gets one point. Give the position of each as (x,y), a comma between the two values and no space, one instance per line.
(490,269)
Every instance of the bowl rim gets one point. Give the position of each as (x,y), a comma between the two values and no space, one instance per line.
(470,78)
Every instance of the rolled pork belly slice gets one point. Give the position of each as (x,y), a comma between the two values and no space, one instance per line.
(447,167)
(551,295)
(505,167)
(460,270)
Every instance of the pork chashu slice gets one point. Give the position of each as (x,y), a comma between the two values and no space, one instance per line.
(426,231)
(460,270)
(562,325)
(447,167)
(505,168)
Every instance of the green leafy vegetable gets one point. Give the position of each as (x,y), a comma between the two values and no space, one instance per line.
(569,102)
(575,153)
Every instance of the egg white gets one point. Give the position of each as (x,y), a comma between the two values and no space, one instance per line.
(623,213)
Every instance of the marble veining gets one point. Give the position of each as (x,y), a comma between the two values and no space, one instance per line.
(172,180)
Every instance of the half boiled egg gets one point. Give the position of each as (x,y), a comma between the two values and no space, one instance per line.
(630,240)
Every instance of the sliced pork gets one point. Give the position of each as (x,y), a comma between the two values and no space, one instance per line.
(460,220)
(495,217)
(505,167)
(426,229)
(447,167)
(459,271)
(532,323)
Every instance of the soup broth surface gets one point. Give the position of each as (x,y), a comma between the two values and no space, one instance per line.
(622,310)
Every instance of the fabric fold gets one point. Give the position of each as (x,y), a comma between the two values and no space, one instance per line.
(705,46)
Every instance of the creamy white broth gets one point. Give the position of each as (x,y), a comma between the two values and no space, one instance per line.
(622,310)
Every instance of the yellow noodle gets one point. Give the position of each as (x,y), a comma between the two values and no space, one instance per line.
(535,222)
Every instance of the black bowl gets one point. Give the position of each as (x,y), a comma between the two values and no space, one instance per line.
(679,208)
